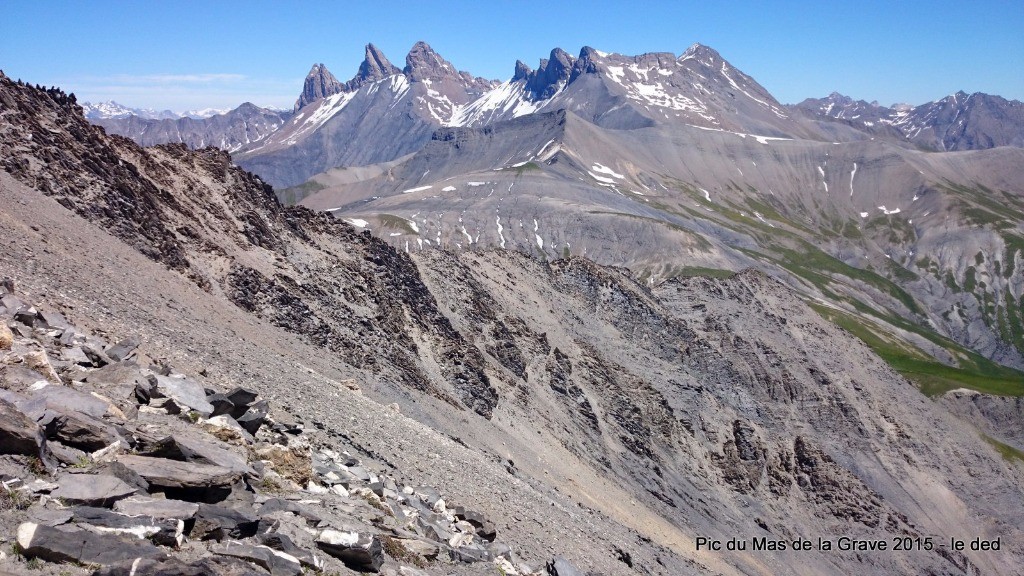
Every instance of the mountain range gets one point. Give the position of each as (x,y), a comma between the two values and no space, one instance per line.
(607,421)
(903,224)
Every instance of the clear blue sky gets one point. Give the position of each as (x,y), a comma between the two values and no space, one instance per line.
(184,54)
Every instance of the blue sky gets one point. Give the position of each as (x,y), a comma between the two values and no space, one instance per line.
(185,55)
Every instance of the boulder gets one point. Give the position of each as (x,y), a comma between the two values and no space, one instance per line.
(254,417)
(184,391)
(96,355)
(79,430)
(52,320)
(92,490)
(191,481)
(19,434)
(242,399)
(276,562)
(484,528)
(221,404)
(213,522)
(123,350)
(81,546)
(359,552)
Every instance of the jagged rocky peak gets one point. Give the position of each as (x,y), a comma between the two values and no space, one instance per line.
(320,83)
(585,63)
(422,63)
(522,71)
(552,74)
(375,66)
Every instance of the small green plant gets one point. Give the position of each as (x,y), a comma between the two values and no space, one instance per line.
(270,485)
(194,416)
(36,466)
(83,461)
(34,564)
(14,500)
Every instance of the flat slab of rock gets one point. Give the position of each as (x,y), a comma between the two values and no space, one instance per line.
(276,562)
(92,490)
(196,446)
(55,545)
(185,392)
(66,399)
(157,507)
(166,473)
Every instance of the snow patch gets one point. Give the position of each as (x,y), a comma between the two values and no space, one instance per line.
(601,178)
(448,189)
(357,222)
(606,170)
(419,189)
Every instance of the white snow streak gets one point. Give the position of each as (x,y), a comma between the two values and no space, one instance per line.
(419,189)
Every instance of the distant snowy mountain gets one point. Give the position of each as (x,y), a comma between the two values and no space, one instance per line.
(959,121)
(110,109)
(229,130)
(204,113)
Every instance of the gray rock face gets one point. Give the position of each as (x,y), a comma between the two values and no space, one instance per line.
(375,66)
(319,83)
(82,546)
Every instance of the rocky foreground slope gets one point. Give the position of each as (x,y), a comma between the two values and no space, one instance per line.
(581,413)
